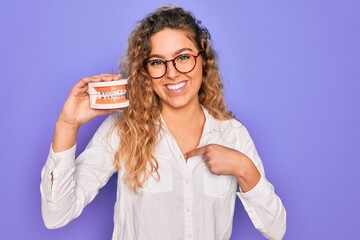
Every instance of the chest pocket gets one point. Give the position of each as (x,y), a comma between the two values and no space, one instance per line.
(218,186)
(162,182)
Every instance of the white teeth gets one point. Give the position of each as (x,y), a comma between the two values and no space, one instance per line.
(175,86)
(113,94)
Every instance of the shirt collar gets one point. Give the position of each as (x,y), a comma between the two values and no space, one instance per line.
(210,121)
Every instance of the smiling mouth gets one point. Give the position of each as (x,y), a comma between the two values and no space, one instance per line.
(174,87)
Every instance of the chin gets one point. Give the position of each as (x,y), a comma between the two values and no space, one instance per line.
(179,103)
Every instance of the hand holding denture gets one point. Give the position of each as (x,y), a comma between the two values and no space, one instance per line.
(76,110)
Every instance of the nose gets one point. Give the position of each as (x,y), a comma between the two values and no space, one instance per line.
(171,72)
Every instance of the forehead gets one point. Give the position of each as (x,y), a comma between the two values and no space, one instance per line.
(168,41)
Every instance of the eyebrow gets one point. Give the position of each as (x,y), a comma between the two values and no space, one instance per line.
(175,53)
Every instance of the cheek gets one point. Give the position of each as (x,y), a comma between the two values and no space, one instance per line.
(199,68)
(197,74)
(156,86)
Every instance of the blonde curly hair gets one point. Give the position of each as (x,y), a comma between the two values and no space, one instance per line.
(138,127)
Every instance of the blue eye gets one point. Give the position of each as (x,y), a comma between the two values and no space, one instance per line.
(183,57)
(156,62)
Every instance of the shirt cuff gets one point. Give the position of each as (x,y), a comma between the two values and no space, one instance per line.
(61,160)
(259,193)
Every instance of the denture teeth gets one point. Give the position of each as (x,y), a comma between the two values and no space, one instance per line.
(114,94)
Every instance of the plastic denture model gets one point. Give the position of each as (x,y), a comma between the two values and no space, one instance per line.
(108,95)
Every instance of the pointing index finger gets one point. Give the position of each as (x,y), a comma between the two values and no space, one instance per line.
(195,152)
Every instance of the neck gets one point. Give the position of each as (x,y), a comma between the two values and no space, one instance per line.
(190,116)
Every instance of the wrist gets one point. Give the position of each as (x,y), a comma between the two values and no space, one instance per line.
(65,124)
(239,173)
(239,166)
(246,173)
(244,168)
(64,136)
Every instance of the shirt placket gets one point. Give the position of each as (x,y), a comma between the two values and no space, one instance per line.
(188,202)
(186,170)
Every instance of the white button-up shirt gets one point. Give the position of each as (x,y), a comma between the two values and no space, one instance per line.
(187,202)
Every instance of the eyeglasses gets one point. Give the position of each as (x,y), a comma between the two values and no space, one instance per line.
(184,63)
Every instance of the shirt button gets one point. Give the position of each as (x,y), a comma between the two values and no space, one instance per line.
(189,235)
(188,209)
(187,181)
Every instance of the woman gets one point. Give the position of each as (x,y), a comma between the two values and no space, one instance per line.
(179,154)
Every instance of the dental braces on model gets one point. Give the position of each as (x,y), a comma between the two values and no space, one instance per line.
(113,94)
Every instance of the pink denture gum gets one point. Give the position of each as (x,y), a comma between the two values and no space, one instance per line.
(108,95)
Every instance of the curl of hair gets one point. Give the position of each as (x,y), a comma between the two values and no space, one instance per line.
(138,127)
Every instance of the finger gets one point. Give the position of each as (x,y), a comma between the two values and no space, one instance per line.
(117,76)
(206,165)
(98,78)
(198,151)
(83,83)
(109,77)
(205,158)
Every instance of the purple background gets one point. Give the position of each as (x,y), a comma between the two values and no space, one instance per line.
(291,73)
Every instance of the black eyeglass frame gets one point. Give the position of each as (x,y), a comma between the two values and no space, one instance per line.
(174,64)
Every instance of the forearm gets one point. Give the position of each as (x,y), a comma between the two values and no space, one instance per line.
(257,194)
(68,185)
(265,209)
(58,189)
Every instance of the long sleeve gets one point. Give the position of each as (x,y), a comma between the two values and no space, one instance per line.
(263,206)
(68,185)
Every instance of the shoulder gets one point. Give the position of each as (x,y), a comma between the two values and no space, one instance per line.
(221,125)
(231,127)
(107,131)
(109,122)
